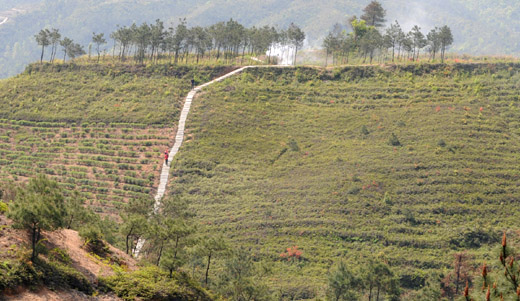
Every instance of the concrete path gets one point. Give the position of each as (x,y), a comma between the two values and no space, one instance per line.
(179,138)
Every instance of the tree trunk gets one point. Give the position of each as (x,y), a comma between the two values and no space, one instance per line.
(41,58)
(326,58)
(72,216)
(458,265)
(33,242)
(176,247)
(207,269)
(55,51)
(243,55)
(127,246)
(160,254)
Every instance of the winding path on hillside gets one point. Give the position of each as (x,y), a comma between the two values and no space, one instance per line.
(4,20)
(179,138)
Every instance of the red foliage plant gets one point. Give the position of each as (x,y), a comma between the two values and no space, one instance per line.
(292,252)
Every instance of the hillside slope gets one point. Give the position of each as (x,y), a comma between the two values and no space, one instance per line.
(408,165)
(480,27)
(98,130)
(71,270)
(67,247)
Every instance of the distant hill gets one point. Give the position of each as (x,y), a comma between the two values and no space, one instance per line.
(480,27)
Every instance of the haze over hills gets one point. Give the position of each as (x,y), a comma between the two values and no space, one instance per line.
(479,27)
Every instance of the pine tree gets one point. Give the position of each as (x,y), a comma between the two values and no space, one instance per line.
(374,14)
(393,33)
(446,39)
(343,284)
(209,247)
(65,43)
(43,39)
(39,206)
(134,216)
(98,39)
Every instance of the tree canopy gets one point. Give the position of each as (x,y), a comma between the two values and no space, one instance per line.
(374,14)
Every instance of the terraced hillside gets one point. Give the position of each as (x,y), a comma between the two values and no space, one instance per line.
(99,130)
(406,164)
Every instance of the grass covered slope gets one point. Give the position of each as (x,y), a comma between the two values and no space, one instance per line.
(100,93)
(406,164)
(97,129)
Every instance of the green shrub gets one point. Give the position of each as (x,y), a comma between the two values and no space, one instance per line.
(57,275)
(364,130)
(393,140)
(472,238)
(59,255)
(93,237)
(54,275)
(293,145)
(3,207)
(14,274)
(150,283)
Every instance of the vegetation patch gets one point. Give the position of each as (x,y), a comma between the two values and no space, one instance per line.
(352,167)
(151,283)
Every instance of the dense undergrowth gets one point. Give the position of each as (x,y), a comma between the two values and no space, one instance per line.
(50,273)
(151,283)
(407,164)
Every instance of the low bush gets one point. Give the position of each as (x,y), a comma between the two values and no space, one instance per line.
(3,207)
(150,283)
(52,274)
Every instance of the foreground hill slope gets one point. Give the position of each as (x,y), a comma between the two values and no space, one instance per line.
(405,164)
(72,270)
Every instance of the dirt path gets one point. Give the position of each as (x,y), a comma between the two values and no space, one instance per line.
(179,138)
(4,20)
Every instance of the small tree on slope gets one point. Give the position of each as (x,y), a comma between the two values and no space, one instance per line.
(39,206)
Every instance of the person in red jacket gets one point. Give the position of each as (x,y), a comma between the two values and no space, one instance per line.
(166,156)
